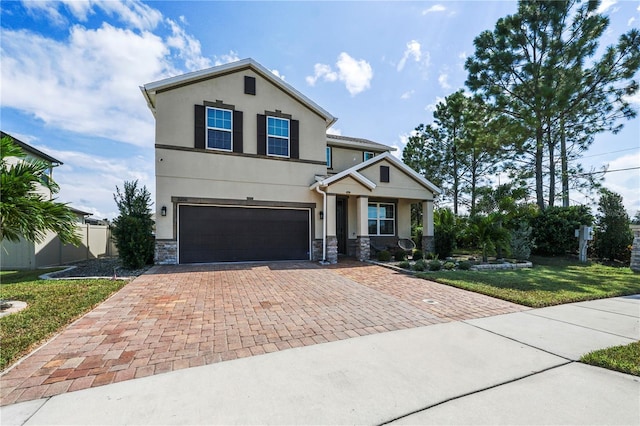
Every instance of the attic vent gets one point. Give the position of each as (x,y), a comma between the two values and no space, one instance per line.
(249,85)
(384,173)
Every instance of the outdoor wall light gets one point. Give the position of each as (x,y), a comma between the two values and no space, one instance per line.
(163,211)
(321,215)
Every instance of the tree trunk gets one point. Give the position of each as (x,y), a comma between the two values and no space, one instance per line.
(552,168)
(455,174)
(565,167)
(538,166)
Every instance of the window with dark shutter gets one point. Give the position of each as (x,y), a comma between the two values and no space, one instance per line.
(384,173)
(237,131)
(249,85)
(200,127)
(295,139)
(262,134)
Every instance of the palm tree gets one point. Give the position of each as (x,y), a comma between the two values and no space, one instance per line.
(489,233)
(24,212)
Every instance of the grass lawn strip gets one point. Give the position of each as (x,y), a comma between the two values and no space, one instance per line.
(549,282)
(52,305)
(625,358)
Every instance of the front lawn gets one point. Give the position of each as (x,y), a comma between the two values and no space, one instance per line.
(625,359)
(552,281)
(52,305)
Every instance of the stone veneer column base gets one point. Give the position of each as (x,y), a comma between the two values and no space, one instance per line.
(332,249)
(635,253)
(166,252)
(428,244)
(363,248)
(316,253)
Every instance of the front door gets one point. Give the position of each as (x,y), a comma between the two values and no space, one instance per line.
(341,224)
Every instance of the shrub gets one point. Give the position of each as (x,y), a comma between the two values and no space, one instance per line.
(521,241)
(420,265)
(400,255)
(417,254)
(384,256)
(612,235)
(133,228)
(435,265)
(430,256)
(449,266)
(464,265)
(404,265)
(553,229)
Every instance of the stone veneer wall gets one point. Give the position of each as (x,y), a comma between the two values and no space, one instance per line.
(363,248)
(635,253)
(332,249)
(428,244)
(317,250)
(166,252)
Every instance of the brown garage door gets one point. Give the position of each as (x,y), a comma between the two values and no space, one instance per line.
(233,234)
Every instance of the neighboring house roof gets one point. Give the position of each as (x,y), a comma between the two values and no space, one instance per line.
(354,173)
(31,150)
(349,142)
(149,90)
(80,212)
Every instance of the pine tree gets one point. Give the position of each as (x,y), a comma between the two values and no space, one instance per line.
(613,235)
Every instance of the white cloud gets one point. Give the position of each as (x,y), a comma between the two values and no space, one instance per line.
(334,131)
(187,47)
(132,13)
(633,99)
(606,4)
(626,182)
(462,55)
(408,94)
(443,80)
(413,51)
(321,72)
(434,8)
(355,74)
(630,21)
(277,74)
(226,58)
(79,84)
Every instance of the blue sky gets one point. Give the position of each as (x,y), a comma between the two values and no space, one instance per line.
(70,74)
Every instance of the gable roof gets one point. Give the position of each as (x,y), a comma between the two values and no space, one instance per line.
(31,150)
(150,90)
(346,141)
(354,173)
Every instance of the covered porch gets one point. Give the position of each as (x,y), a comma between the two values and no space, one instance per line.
(370,205)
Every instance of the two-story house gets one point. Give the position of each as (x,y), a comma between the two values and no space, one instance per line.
(245,171)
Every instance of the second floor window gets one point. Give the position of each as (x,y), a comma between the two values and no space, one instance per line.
(219,129)
(277,136)
(328,157)
(368,155)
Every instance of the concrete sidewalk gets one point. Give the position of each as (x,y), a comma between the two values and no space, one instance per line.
(515,368)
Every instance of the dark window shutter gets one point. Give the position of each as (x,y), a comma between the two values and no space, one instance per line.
(237,131)
(262,134)
(384,173)
(249,85)
(200,127)
(294,140)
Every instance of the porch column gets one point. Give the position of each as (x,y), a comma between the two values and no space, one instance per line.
(332,240)
(363,249)
(428,243)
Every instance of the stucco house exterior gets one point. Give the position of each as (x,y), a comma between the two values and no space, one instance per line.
(246,171)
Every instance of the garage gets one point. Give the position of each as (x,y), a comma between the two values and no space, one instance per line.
(239,234)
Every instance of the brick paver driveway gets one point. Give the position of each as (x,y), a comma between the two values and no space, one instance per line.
(177,317)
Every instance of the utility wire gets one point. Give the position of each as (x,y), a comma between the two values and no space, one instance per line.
(604,172)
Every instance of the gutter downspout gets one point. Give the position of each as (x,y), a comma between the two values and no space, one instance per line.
(324,224)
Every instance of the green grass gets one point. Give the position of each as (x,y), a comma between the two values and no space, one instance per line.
(625,359)
(52,305)
(552,281)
